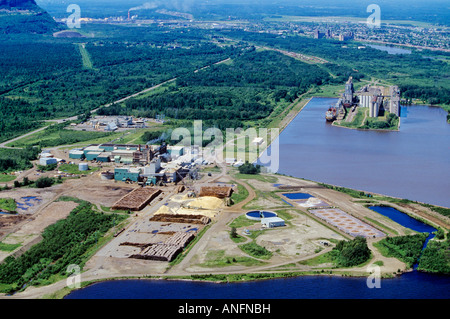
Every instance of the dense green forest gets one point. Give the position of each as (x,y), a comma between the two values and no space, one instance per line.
(64,243)
(404,248)
(418,75)
(351,253)
(436,257)
(17,159)
(247,88)
(44,78)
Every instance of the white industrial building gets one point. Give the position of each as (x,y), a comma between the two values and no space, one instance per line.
(272,222)
(373,98)
(44,161)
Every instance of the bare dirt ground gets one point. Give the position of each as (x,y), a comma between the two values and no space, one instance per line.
(302,239)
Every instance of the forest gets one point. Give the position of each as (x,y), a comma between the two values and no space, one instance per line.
(64,243)
(248,88)
(43,78)
(405,248)
(436,257)
(417,74)
(349,253)
(17,159)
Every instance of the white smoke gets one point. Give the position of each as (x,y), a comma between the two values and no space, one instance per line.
(178,5)
(146,6)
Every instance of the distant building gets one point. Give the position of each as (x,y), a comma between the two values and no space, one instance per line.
(348,97)
(346,36)
(127,174)
(318,34)
(44,161)
(374,98)
(272,222)
(394,103)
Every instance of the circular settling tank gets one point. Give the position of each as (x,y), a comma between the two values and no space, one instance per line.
(258,214)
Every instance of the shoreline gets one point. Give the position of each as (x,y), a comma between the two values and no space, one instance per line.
(270,275)
(59,294)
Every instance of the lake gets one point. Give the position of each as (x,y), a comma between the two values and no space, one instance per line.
(412,163)
(389,49)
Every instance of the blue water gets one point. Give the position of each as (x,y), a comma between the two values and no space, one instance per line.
(403,219)
(298,196)
(261,214)
(413,285)
(406,221)
(389,49)
(411,163)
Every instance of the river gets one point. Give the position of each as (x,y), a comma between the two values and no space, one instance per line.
(412,163)
(412,285)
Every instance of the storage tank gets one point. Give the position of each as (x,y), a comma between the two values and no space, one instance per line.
(83,167)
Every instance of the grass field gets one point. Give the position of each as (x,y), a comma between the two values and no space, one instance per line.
(87,62)
(7,178)
(8,204)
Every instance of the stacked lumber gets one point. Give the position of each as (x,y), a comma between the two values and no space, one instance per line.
(168,250)
(181,239)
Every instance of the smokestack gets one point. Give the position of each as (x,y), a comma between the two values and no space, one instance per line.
(129,15)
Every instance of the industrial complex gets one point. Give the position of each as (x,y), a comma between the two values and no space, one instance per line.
(377,99)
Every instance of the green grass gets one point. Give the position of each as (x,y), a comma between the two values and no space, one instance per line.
(73,169)
(8,247)
(217,258)
(6,178)
(87,62)
(50,138)
(242,221)
(255,250)
(8,204)
(357,121)
(240,195)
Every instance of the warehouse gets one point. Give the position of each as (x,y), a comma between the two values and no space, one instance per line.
(44,161)
(127,174)
(272,222)
(76,154)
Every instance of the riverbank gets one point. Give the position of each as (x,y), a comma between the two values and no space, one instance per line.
(285,261)
(105,268)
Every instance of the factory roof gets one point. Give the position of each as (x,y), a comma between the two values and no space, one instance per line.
(271,220)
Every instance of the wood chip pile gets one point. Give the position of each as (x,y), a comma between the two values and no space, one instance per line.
(216,191)
(137,199)
(180,218)
(168,250)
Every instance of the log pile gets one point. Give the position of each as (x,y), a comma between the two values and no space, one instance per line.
(168,250)
(181,218)
(216,191)
(137,199)
(139,245)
